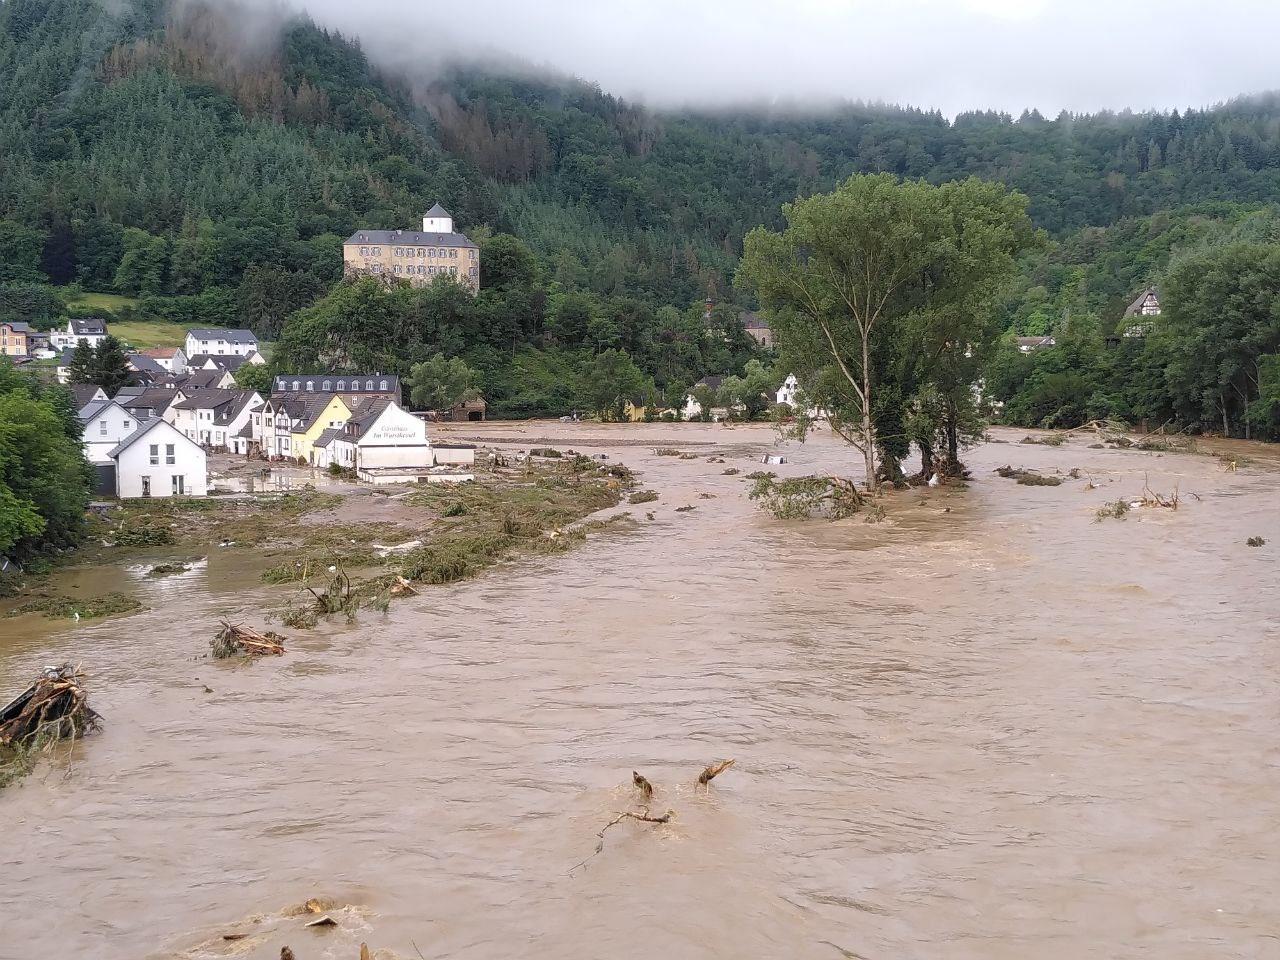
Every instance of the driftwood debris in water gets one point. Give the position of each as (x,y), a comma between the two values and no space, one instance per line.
(286,954)
(642,784)
(713,771)
(234,640)
(54,707)
(642,817)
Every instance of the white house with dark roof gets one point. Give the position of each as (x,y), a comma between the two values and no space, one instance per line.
(383,443)
(105,423)
(1138,315)
(219,341)
(213,418)
(90,329)
(417,256)
(156,460)
(230,362)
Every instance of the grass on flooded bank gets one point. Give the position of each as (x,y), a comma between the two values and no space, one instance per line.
(430,534)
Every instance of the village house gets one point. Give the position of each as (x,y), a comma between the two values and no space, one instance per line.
(1032,344)
(419,257)
(171,359)
(14,336)
(90,329)
(148,368)
(787,392)
(156,460)
(84,394)
(692,409)
(219,342)
(1137,320)
(383,443)
(292,423)
(148,402)
(212,418)
(230,362)
(105,423)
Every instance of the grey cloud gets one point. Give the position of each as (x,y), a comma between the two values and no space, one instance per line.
(1079,55)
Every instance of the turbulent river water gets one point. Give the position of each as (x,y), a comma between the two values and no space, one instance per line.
(988,727)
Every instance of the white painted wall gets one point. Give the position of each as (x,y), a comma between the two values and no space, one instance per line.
(219,347)
(105,429)
(161,444)
(396,439)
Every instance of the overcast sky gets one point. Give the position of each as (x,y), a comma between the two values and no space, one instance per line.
(1080,55)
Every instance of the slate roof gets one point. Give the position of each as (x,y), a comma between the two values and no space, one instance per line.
(91,410)
(18,326)
(412,238)
(142,431)
(230,363)
(713,382)
(88,326)
(200,379)
(328,437)
(145,364)
(155,399)
(229,335)
(753,321)
(84,392)
(338,383)
(207,399)
(365,417)
(439,211)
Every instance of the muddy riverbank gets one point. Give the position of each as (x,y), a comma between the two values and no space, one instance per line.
(987,727)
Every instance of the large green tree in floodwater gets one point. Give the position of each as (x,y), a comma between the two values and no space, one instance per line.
(882,288)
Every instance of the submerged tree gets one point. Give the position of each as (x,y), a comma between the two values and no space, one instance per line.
(886,282)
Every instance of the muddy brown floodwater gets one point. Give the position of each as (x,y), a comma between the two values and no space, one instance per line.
(1002,731)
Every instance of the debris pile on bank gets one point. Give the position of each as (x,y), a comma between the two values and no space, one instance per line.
(234,640)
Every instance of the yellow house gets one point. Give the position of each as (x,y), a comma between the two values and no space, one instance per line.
(634,413)
(320,414)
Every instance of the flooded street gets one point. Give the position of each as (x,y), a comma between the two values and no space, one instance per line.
(987,728)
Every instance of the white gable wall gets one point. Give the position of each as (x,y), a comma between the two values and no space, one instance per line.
(396,439)
(105,429)
(134,464)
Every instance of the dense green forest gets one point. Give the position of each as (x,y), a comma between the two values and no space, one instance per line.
(150,152)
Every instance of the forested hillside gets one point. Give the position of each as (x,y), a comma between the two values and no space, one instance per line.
(210,165)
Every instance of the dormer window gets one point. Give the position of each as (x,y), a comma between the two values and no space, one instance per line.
(368,384)
(311,385)
(384,385)
(327,383)
(297,385)
(342,384)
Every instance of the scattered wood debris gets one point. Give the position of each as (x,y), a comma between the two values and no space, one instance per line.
(234,640)
(645,787)
(1256,542)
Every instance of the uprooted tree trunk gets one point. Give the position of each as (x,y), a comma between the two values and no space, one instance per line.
(55,707)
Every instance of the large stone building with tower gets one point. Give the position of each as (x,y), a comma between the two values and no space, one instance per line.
(417,256)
